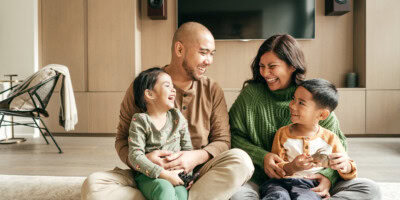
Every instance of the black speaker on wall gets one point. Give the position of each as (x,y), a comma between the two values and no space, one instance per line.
(337,7)
(157,9)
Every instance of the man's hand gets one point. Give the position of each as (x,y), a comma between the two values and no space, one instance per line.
(186,160)
(172,177)
(340,162)
(158,157)
(271,168)
(324,185)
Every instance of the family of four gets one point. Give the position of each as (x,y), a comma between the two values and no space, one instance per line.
(280,139)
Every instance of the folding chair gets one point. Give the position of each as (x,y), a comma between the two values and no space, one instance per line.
(39,95)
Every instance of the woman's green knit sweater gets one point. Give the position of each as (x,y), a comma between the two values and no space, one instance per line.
(255,117)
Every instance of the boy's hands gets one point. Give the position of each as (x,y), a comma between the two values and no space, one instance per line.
(300,163)
(340,162)
(172,176)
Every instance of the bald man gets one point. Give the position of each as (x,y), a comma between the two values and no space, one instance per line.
(202,102)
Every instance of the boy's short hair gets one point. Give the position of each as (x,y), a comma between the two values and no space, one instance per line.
(145,80)
(324,93)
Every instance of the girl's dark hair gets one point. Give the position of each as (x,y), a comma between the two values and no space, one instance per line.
(288,50)
(145,80)
(323,92)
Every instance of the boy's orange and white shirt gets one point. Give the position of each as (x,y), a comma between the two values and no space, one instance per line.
(287,147)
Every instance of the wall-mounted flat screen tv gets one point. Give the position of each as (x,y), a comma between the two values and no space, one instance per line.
(251,19)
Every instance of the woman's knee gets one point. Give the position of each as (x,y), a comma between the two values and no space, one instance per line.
(247,191)
(359,188)
(370,187)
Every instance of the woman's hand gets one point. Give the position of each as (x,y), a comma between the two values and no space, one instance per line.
(324,185)
(300,163)
(271,168)
(172,176)
(340,162)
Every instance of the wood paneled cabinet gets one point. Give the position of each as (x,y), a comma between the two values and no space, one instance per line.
(383,112)
(96,40)
(62,37)
(351,110)
(98,112)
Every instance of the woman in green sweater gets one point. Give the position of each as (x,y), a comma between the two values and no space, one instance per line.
(263,107)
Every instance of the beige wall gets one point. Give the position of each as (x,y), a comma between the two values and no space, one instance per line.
(18,37)
(329,55)
(383,44)
(18,48)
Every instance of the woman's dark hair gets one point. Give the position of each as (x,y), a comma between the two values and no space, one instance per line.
(323,92)
(145,80)
(288,50)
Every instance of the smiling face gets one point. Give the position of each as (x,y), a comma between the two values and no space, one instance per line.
(276,72)
(199,56)
(163,94)
(303,109)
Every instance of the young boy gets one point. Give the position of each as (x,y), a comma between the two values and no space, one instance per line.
(159,127)
(312,102)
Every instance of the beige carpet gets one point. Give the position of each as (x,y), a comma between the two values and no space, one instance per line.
(14,187)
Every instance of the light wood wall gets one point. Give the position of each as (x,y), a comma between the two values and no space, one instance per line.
(111,49)
(383,44)
(96,39)
(63,38)
(106,44)
(383,67)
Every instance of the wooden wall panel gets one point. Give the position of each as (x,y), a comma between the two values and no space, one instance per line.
(63,37)
(104,111)
(82,104)
(383,50)
(157,36)
(111,44)
(330,54)
(383,112)
(231,96)
(351,111)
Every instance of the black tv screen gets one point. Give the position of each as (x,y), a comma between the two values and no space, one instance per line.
(251,19)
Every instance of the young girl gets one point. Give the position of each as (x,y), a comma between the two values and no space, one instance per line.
(159,127)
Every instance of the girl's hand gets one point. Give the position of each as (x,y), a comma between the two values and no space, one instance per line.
(340,162)
(271,168)
(172,177)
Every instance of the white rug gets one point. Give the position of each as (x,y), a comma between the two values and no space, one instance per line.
(15,187)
